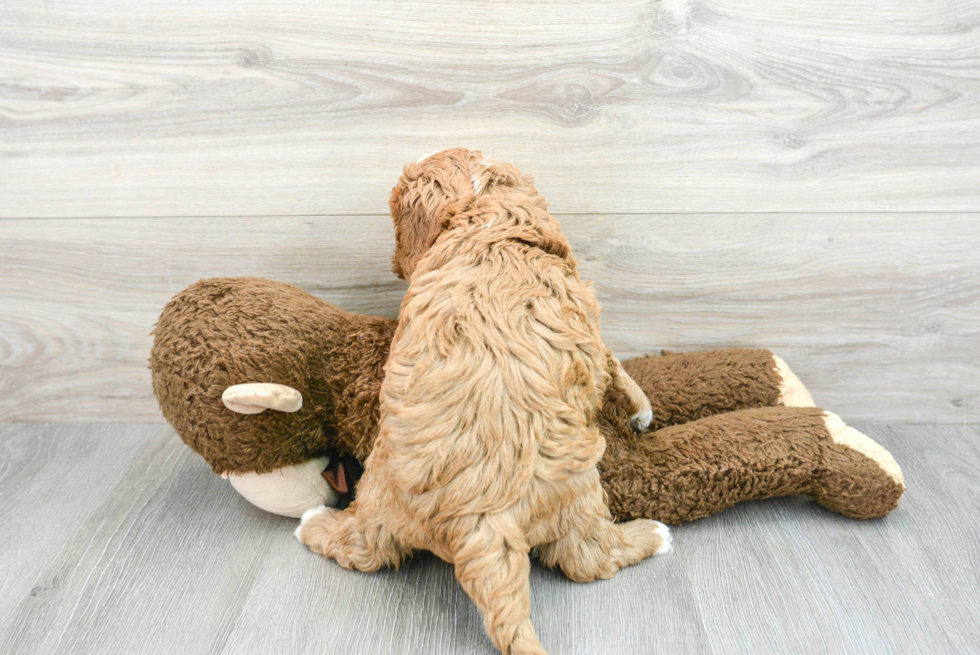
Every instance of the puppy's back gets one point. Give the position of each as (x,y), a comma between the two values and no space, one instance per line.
(494,377)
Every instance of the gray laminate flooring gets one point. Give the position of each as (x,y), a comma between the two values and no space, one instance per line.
(118,539)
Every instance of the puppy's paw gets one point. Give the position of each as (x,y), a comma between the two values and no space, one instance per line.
(650,537)
(310,519)
(666,537)
(256,397)
(642,420)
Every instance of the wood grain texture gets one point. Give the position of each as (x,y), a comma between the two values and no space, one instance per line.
(167,558)
(421,609)
(247,107)
(878,314)
(81,296)
(159,565)
(786,576)
(52,477)
(940,556)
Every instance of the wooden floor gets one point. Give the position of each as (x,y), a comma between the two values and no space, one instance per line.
(118,539)
(786,174)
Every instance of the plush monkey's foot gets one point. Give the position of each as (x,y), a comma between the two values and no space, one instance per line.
(287,491)
(845,435)
(256,397)
(856,476)
(792,393)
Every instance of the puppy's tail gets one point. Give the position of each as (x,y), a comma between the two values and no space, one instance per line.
(494,568)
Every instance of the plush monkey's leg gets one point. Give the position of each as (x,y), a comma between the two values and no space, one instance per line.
(685,387)
(688,471)
(595,547)
(494,569)
(287,491)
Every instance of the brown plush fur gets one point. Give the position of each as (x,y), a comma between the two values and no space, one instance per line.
(688,471)
(222,325)
(488,443)
(226,331)
(696,385)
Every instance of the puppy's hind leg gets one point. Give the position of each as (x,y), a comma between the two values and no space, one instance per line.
(493,566)
(595,547)
(354,537)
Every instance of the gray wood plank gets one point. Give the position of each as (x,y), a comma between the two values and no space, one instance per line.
(169,559)
(115,108)
(786,575)
(302,603)
(162,564)
(878,314)
(936,539)
(420,609)
(174,561)
(52,478)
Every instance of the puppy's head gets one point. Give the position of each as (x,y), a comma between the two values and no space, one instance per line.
(428,195)
(440,191)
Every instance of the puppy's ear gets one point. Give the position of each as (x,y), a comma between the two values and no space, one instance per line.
(527,208)
(429,193)
(419,217)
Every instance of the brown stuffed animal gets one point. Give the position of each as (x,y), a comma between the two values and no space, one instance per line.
(728,426)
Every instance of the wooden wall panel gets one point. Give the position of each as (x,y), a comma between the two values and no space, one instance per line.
(878,314)
(114,108)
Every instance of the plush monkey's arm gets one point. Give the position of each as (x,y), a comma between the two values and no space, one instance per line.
(689,386)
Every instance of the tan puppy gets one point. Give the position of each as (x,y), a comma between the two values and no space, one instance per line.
(488,441)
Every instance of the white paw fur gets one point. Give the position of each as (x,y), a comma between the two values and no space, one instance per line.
(642,420)
(256,397)
(665,534)
(307,515)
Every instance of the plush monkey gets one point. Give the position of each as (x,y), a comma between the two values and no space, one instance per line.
(278,391)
